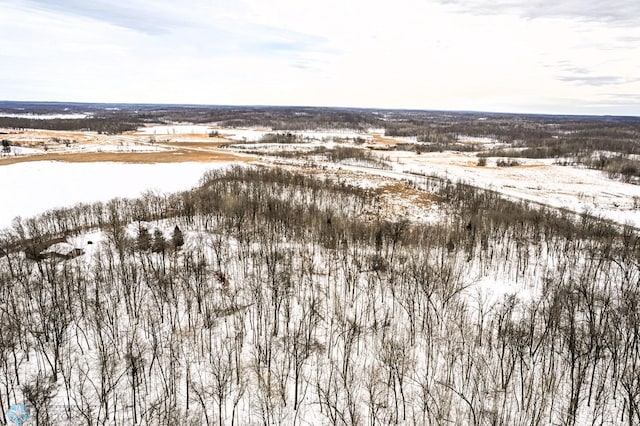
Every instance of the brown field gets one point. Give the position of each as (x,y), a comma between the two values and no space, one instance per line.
(178,156)
(38,138)
(379,139)
(181,148)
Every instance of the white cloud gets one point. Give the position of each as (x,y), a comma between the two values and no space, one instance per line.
(614,12)
(411,54)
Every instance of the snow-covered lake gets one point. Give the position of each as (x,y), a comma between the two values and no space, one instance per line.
(31,188)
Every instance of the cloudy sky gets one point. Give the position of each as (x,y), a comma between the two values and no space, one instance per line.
(546,56)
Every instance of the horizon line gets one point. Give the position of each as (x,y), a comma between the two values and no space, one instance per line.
(205,105)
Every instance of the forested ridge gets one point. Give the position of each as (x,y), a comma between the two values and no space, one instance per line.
(266,296)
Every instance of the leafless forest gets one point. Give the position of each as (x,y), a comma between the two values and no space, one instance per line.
(268,296)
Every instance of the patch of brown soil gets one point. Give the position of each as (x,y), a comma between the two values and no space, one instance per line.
(379,139)
(529,166)
(400,189)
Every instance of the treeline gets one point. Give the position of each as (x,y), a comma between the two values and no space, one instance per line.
(447,128)
(571,146)
(616,166)
(284,138)
(276,118)
(436,147)
(338,154)
(110,124)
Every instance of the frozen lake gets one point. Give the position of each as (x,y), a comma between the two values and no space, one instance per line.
(30,188)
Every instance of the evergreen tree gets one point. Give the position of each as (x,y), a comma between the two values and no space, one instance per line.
(177,238)
(144,239)
(159,243)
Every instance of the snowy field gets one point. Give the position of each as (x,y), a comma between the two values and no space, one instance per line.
(34,187)
(19,150)
(244,135)
(255,135)
(577,189)
(248,134)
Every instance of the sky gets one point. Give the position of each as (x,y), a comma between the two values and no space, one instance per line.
(530,56)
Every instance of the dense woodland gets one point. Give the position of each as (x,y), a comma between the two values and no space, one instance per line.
(272,297)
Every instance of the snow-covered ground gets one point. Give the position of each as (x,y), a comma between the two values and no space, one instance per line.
(34,187)
(19,150)
(275,147)
(242,134)
(477,139)
(254,135)
(245,135)
(333,134)
(577,189)
(485,142)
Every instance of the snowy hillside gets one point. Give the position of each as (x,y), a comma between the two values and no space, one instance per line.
(273,297)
